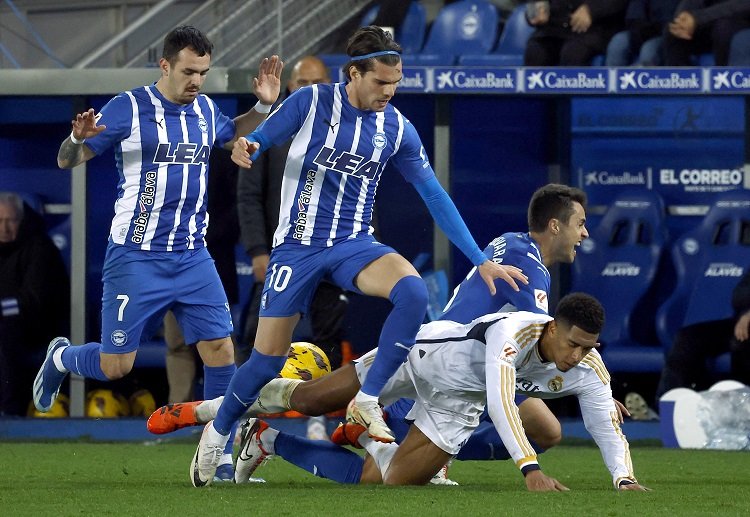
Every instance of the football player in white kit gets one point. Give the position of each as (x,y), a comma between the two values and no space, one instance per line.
(453,371)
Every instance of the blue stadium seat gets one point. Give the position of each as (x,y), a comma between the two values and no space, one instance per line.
(510,47)
(464,27)
(617,264)
(411,33)
(709,261)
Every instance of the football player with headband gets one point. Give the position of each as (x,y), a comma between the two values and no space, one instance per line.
(157,259)
(344,135)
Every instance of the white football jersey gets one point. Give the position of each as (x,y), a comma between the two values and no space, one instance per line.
(496,356)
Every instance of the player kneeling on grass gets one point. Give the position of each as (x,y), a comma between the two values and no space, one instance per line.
(452,372)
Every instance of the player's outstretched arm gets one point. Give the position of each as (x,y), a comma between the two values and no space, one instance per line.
(490,270)
(538,481)
(72,151)
(266,87)
(242,150)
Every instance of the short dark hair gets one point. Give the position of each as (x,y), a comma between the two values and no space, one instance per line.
(367,40)
(553,201)
(182,37)
(581,310)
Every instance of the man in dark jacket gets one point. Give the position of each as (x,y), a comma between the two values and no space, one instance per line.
(258,201)
(704,26)
(685,365)
(34,300)
(571,32)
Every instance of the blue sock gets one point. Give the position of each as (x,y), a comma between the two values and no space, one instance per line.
(320,458)
(244,387)
(395,418)
(485,444)
(85,361)
(216,380)
(409,298)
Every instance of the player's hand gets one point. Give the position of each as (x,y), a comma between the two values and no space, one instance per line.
(580,20)
(490,270)
(538,13)
(742,328)
(538,481)
(84,125)
(635,486)
(622,411)
(260,265)
(242,150)
(267,85)
(683,26)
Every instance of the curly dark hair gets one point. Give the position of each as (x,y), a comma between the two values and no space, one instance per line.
(182,37)
(367,40)
(581,310)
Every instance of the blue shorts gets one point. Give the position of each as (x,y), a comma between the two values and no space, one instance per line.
(295,270)
(140,286)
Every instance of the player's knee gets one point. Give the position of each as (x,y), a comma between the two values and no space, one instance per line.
(216,352)
(550,435)
(116,369)
(410,294)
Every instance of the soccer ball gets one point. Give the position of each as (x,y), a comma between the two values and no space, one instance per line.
(306,362)
(105,404)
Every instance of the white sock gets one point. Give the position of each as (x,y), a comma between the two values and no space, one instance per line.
(206,410)
(268,440)
(226,459)
(57,359)
(274,397)
(382,453)
(215,437)
(364,397)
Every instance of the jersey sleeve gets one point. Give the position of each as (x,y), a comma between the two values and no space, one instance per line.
(411,159)
(225,127)
(531,297)
(501,356)
(117,115)
(601,421)
(284,121)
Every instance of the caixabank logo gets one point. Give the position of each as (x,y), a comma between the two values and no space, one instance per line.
(570,80)
(658,80)
(497,80)
(729,80)
(414,79)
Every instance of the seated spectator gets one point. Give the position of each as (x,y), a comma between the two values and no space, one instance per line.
(571,32)
(739,50)
(701,26)
(685,365)
(34,300)
(640,44)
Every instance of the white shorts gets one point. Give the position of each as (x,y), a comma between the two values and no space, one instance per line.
(447,417)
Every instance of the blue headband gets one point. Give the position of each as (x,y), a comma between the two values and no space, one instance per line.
(376,54)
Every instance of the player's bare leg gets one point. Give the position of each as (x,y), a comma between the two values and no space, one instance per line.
(416,461)
(540,423)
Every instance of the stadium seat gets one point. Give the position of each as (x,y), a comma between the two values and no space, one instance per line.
(709,261)
(510,47)
(739,50)
(464,27)
(411,33)
(618,264)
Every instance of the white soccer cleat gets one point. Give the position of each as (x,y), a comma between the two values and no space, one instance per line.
(252,455)
(206,459)
(441,478)
(370,415)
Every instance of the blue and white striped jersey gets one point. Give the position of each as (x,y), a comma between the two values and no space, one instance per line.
(335,161)
(471,299)
(161,152)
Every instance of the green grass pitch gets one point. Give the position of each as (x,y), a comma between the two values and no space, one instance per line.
(95,479)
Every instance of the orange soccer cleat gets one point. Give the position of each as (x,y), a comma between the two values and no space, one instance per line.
(347,433)
(172,417)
